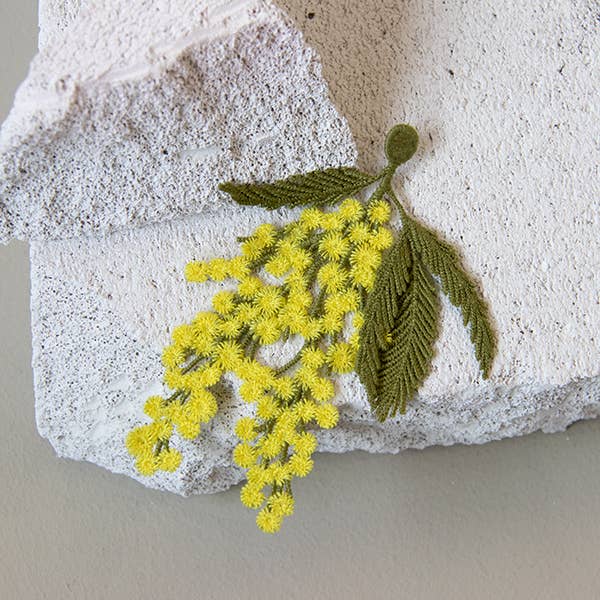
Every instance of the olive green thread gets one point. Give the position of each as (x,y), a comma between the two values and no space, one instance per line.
(443,261)
(317,188)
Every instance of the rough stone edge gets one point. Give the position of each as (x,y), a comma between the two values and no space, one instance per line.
(554,410)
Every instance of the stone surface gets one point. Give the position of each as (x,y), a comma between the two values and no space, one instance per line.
(138,109)
(507,169)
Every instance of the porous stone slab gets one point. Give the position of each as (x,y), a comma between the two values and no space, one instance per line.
(507,169)
(135,111)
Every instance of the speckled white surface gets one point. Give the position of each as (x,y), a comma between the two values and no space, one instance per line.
(504,102)
(138,109)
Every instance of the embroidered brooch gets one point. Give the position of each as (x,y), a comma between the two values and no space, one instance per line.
(339,284)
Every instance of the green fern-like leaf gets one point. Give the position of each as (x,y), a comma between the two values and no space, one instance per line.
(400,330)
(381,312)
(442,260)
(407,362)
(317,188)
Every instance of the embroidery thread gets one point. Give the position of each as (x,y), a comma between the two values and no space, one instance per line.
(335,285)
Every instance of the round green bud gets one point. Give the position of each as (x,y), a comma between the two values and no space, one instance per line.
(401,144)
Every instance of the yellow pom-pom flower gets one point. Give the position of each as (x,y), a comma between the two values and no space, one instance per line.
(282,504)
(284,387)
(252,248)
(138,442)
(351,210)
(250,392)
(312,357)
(266,407)
(310,329)
(168,460)
(305,443)
(300,260)
(175,380)
(208,375)
(257,476)
(267,331)
(228,355)
(305,411)
(183,336)
(249,287)
(322,389)
(333,246)
(266,233)
(332,277)
(332,323)
(205,326)
(173,356)
(358,320)
(268,521)
(154,407)
(279,473)
(252,496)
(243,455)
(332,221)
(382,239)
(202,404)
(231,327)
(359,233)
(247,313)
(224,302)
(307,376)
(379,212)
(196,272)
(311,218)
(341,357)
(146,465)
(245,429)
(218,269)
(365,256)
(239,267)
(269,301)
(187,427)
(277,266)
(300,465)
(327,416)
(270,446)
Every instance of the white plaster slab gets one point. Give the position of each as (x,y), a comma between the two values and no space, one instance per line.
(507,170)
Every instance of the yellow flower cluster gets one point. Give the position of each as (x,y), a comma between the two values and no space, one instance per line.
(324,263)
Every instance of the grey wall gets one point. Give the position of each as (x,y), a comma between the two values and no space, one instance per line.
(512,519)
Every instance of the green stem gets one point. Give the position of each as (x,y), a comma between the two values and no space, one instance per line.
(253,349)
(406,220)
(191,366)
(290,363)
(385,185)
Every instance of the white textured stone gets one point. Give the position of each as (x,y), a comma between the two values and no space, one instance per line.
(136,110)
(507,170)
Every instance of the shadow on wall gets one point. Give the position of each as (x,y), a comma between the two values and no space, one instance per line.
(367,66)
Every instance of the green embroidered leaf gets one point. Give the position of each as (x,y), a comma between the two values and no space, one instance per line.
(407,361)
(396,341)
(317,188)
(400,330)
(443,261)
